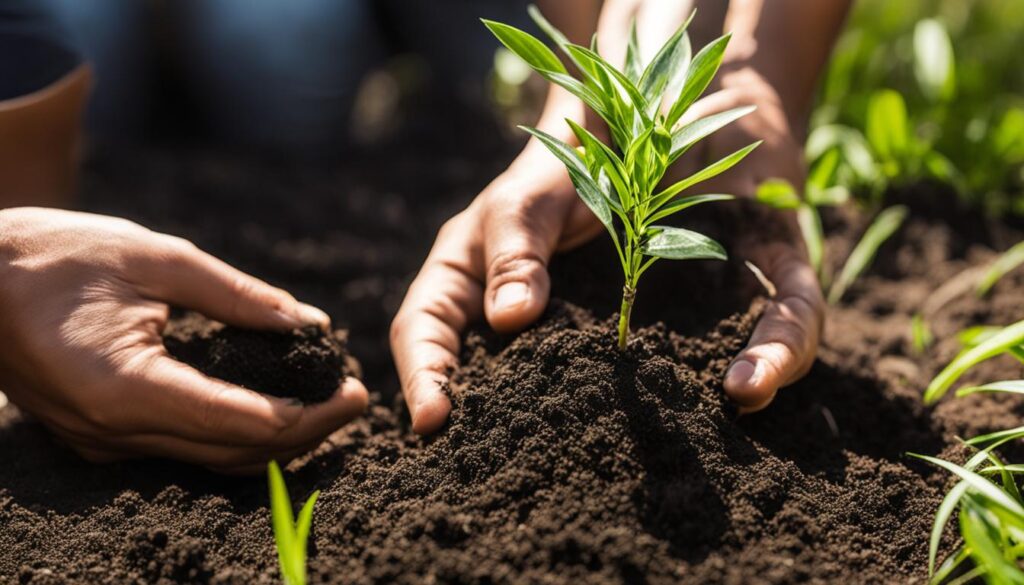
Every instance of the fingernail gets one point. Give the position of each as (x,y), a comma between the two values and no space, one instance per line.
(510,296)
(311,315)
(740,374)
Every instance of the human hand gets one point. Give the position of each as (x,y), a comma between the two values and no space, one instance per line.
(83,301)
(490,258)
(785,341)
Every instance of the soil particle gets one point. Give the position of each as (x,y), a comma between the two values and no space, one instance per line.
(306,363)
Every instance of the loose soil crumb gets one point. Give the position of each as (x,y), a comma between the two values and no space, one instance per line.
(307,364)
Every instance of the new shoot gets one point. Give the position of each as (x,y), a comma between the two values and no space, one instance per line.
(642,105)
(291,535)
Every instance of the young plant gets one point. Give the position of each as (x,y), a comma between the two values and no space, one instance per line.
(291,535)
(1008,261)
(820,191)
(991,514)
(642,105)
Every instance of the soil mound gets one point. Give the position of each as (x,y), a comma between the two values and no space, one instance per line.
(568,461)
(306,363)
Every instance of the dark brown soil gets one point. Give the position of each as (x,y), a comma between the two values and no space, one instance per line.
(307,364)
(565,461)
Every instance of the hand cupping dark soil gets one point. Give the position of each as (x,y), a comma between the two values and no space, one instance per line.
(307,364)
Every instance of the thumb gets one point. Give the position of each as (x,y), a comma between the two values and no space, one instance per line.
(520,233)
(181,274)
(785,341)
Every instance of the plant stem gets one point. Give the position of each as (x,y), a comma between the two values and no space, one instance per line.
(628,295)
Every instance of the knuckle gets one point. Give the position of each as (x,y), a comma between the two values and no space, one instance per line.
(518,262)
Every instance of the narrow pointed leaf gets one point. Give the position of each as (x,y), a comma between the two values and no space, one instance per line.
(283,523)
(698,76)
(881,229)
(663,67)
(610,162)
(682,203)
(1000,436)
(1009,260)
(528,47)
(548,28)
(634,67)
(709,172)
(1011,336)
(978,483)
(887,129)
(778,193)
(681,244)
(303,526)
(596,62)
(946,508)
(809,220)
(586,186)
(1007,386)
(689,134)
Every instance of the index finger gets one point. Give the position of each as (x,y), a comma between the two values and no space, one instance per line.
(426,333)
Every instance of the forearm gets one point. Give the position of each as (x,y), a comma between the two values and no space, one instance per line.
(785,43)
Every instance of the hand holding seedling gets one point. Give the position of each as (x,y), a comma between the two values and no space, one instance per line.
(83,301)
(491,259)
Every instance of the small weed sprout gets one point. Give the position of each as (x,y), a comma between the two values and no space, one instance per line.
(642,105)
(291,535)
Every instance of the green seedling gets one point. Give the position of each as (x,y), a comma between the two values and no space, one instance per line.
(1008,261)
(1008,339)
(291,535)
(991,516)
(642,105)
(780,194)
(920,334)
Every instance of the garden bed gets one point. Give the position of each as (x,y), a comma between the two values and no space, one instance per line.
(565,461)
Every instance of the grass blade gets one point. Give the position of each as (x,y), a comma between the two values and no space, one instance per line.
(1009,386)
(949,504)
(302,528)
(887,128)
(1010,259)
(284,526)
(880,230)
(1010,337)
(814,236)
(979,484)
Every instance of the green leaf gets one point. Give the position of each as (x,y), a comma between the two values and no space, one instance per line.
(283,523)
(823,170)
(606,159)
(698,76)
(979,484)
(831,197)
(880,230)
(1008,386)
(920,334)
(528,47)
(888,132)
(543,24)
(689,134)
(672,56)
(814,236)
(1010,337)
(1008,261)
(303,526)
(681,244)
(708,172)
(778,193)
(985,545)
(586,186)
(634,66)
(596,62)
(998,436)
(851,143)
(934,65)
(682,203)
(942,517)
